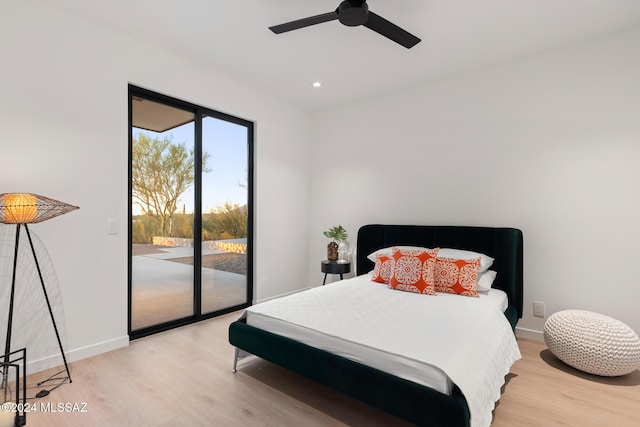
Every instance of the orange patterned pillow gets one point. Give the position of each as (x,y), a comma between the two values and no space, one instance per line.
(413,270)
(457,276)
(383,269)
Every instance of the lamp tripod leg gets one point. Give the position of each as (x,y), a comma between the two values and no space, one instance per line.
(7,342)
(46,297)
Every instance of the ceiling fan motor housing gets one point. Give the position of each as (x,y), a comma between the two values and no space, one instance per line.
(353,12)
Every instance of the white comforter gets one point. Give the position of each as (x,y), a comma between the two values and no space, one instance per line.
(472,342)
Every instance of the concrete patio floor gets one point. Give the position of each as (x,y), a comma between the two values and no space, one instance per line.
(162,290)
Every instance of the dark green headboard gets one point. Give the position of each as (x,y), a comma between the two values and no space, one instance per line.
(503,244)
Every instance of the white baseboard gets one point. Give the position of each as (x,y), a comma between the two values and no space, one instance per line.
(52,361)
(529,334)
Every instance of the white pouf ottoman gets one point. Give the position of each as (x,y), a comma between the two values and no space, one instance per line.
(593,342)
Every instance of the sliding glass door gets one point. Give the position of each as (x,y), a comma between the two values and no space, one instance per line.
(162,175)
(225,202)
(191,222)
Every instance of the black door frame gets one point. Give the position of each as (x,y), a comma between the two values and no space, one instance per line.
(199,113)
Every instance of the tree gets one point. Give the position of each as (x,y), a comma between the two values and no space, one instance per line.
(161,172)
(226,221)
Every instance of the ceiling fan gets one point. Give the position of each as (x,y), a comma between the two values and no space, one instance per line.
(353,13)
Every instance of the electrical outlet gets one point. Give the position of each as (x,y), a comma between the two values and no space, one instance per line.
(538,309)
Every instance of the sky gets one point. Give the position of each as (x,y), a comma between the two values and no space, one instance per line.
(226,144)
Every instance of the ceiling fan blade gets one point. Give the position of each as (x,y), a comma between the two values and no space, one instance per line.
(391,31)
(304,22)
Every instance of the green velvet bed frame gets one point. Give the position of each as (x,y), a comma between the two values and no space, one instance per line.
(413,402)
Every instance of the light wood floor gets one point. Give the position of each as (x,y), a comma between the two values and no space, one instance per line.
(183,378)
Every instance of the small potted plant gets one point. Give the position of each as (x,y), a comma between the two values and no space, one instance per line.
(339,236)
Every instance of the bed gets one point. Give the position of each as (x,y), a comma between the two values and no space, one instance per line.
(395,393)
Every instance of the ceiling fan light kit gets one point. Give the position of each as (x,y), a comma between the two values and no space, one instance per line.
(353,13)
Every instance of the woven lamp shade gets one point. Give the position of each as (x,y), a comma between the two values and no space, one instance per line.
(28,208)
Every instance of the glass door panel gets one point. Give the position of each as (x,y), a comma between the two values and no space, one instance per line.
(162,209)
(224,214)
(190,213)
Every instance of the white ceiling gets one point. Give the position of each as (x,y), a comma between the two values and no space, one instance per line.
(232,36)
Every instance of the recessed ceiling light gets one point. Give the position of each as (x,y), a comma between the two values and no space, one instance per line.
(316,84)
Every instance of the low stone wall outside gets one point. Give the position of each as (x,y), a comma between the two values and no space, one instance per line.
(173,242)
(238,246)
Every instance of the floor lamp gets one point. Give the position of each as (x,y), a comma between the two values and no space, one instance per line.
(22,209)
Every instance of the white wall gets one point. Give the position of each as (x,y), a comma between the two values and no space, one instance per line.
(549,144)
(63,133)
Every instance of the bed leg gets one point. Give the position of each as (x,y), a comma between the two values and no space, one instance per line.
(235,360)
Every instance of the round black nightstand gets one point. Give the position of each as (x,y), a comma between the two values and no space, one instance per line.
(334,267)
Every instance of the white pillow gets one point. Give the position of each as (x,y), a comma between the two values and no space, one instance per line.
(485,280)
(389,251)
(485,260)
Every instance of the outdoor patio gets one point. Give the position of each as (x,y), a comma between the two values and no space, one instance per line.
(162,283)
